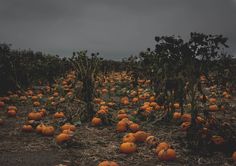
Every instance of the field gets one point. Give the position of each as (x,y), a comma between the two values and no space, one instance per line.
(174,105)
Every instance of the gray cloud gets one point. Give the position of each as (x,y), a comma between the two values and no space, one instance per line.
(116,29)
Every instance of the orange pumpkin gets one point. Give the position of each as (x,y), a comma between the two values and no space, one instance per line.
(213,108)
(134,127)
(185,126)
(128,147)
(48,131)
(34,116)
(1,121)
(121,126)
(217,139)
(161,146)
(11,113)
(59,115)
(176,105)
(27,128)
(129,138)
(140,136)
(167,154)
(63,137)
(36,104)
(39,128)
(234,156)
(68,126)
(122,116)
(108,163)
(2,104)
(96,121)
(186,117)
(176,115)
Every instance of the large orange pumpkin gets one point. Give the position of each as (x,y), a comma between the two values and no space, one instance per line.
(108,163)
(128,147)
(167,154)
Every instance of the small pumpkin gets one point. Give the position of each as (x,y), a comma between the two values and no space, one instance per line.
(48,131)
(27,128)
(129,138)
(39,128)
(185,126)
(186,117)
(234,156)
(121,126)
(122,116)
(140,136)
(63,137)
(176,115)
(36,104)
(161,146)
(167,154)
(11,113)
(108,163)
(128,147)
(134,127)
(213,108)
(96,121)
(68,126)
(35,116)
(1,121)
(2,104)
(58,115)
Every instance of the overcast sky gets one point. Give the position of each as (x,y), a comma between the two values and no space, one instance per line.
(115,28)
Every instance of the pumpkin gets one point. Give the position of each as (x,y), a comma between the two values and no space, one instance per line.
(12,108)
(59,115)
(42,112)
(122,111)
(186,117)
(176,105)
(176,115)
(11,113)
(63,137)
(161,146)
(1,121)
(234,156)
(36,104)
(121,126)
(2,104)
(217,139)
(27,128)
(122,116)
(128,147)
(185,126)
(102,111)
(213,108)
(129,138)
(39,128)
(68,126)
(167,154)
(212,100)
(134,127)
(140,136)
(96,121)
(135,100)
(35,116)
(151,141)
(69,132)
(108,163)
(48,131)
(152,98)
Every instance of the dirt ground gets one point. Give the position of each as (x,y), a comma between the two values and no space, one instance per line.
(93,145)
